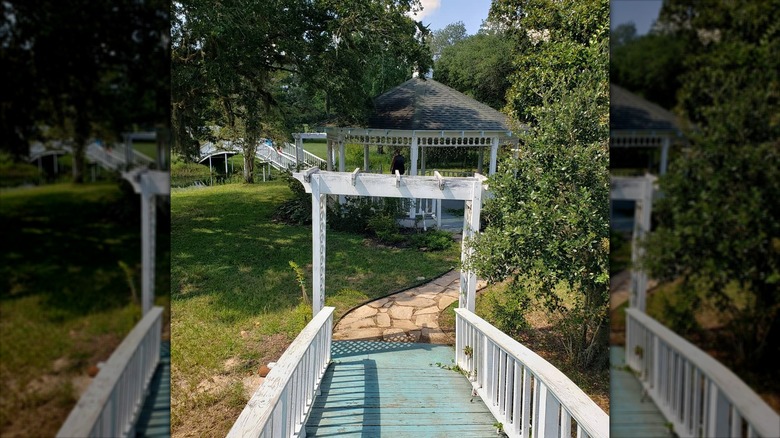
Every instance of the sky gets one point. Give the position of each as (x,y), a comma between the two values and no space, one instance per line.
(642,12)
(439,13)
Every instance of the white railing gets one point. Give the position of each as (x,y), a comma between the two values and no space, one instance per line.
(113,401)
(307,158)
(280,407)
(449,173)
(696,393)
(279,160)
(525,393)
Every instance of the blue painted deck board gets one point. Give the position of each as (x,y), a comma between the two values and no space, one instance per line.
(630,415)
(377,389)
(155,418)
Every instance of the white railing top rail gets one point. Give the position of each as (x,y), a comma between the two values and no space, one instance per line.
(308,157)
(585,411)
(763,419)
(99,397)
(280,160)
(260,408)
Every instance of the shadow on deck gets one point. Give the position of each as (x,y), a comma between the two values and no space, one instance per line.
(633,414)
(155,417)
(375,389)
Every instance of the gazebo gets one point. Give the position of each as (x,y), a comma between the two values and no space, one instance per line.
(420,114)
(638,129)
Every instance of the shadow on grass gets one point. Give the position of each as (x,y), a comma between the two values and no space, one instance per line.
(68,243)
(226,247)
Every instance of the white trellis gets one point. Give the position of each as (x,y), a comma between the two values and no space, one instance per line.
(640,190)
(323,183)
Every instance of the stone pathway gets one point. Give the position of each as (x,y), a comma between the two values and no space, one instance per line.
(408,316)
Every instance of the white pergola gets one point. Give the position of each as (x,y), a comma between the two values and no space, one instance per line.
(322,183)
(640,190)
(636,123)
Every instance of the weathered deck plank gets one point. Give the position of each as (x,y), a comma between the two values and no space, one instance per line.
(396,389)
(155,418)
(631,415)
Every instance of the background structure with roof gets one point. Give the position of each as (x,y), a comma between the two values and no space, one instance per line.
(641,132)
(420,114)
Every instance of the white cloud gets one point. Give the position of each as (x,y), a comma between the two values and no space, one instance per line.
(429,7)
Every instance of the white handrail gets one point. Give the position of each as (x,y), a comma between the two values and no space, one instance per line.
(524,392)
(696,393)
(113,401)
(308,159)
(280,407)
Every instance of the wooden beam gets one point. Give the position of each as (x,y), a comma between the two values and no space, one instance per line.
(390,186)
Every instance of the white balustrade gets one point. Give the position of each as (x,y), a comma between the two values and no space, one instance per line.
(280,407)
(113,401)
(309,159)
(696,393)
(524,392)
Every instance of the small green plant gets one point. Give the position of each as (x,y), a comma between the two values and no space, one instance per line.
(499,427)
(639,351)
(468,351)
(301,279)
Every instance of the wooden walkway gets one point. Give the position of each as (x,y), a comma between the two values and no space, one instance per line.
(155,418)
(631,414)
(395,389)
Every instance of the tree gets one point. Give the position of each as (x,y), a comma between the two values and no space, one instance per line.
(549,215)
(718,228)
(477,66)
(84,69)
(253,60)
(445,37)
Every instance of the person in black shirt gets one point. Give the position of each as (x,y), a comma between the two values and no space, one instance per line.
(397,163)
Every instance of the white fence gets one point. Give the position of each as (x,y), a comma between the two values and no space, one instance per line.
(280,407)
(525,393)
(112,403)
(306,157)
(696,393)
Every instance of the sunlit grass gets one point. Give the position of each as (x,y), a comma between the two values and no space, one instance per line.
(233,288)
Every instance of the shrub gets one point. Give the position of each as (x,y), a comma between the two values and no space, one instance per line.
(187,173)
(434,240)
(14,173)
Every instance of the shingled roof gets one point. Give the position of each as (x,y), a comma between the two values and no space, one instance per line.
(629,112)
(424,104)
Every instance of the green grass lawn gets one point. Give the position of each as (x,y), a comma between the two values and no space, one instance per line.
(147,148)
(235,302)
(65,299)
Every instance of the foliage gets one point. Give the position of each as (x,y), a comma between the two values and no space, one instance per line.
(718,225)
(445,37)
(433,240)
(186,173)
(82,69)
(649,66)
(549,214)
(297,209)
(385,228)
(13,173)
(300,278)
(478,66)
(236,67)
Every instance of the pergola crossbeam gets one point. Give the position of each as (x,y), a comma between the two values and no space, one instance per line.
(323,183)
(390,186)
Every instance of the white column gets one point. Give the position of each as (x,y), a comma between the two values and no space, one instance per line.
(298,150)
(318,213)
(642,215)
(493,156)
(342,155)
(226,164)
(422,160)
(413,170)
(366,161)
(329,154)
(468,280)
(148,219)
(664,155)
(480,159)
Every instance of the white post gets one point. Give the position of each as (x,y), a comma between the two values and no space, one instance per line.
(413,150)
(329,154)
(493,156)
(148,219)
(664,155)
(318,212)
(298,150)
(480,159)
(365,158)
(468,280)
(422,160)
(226,164)
(642,215)
(342,164)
